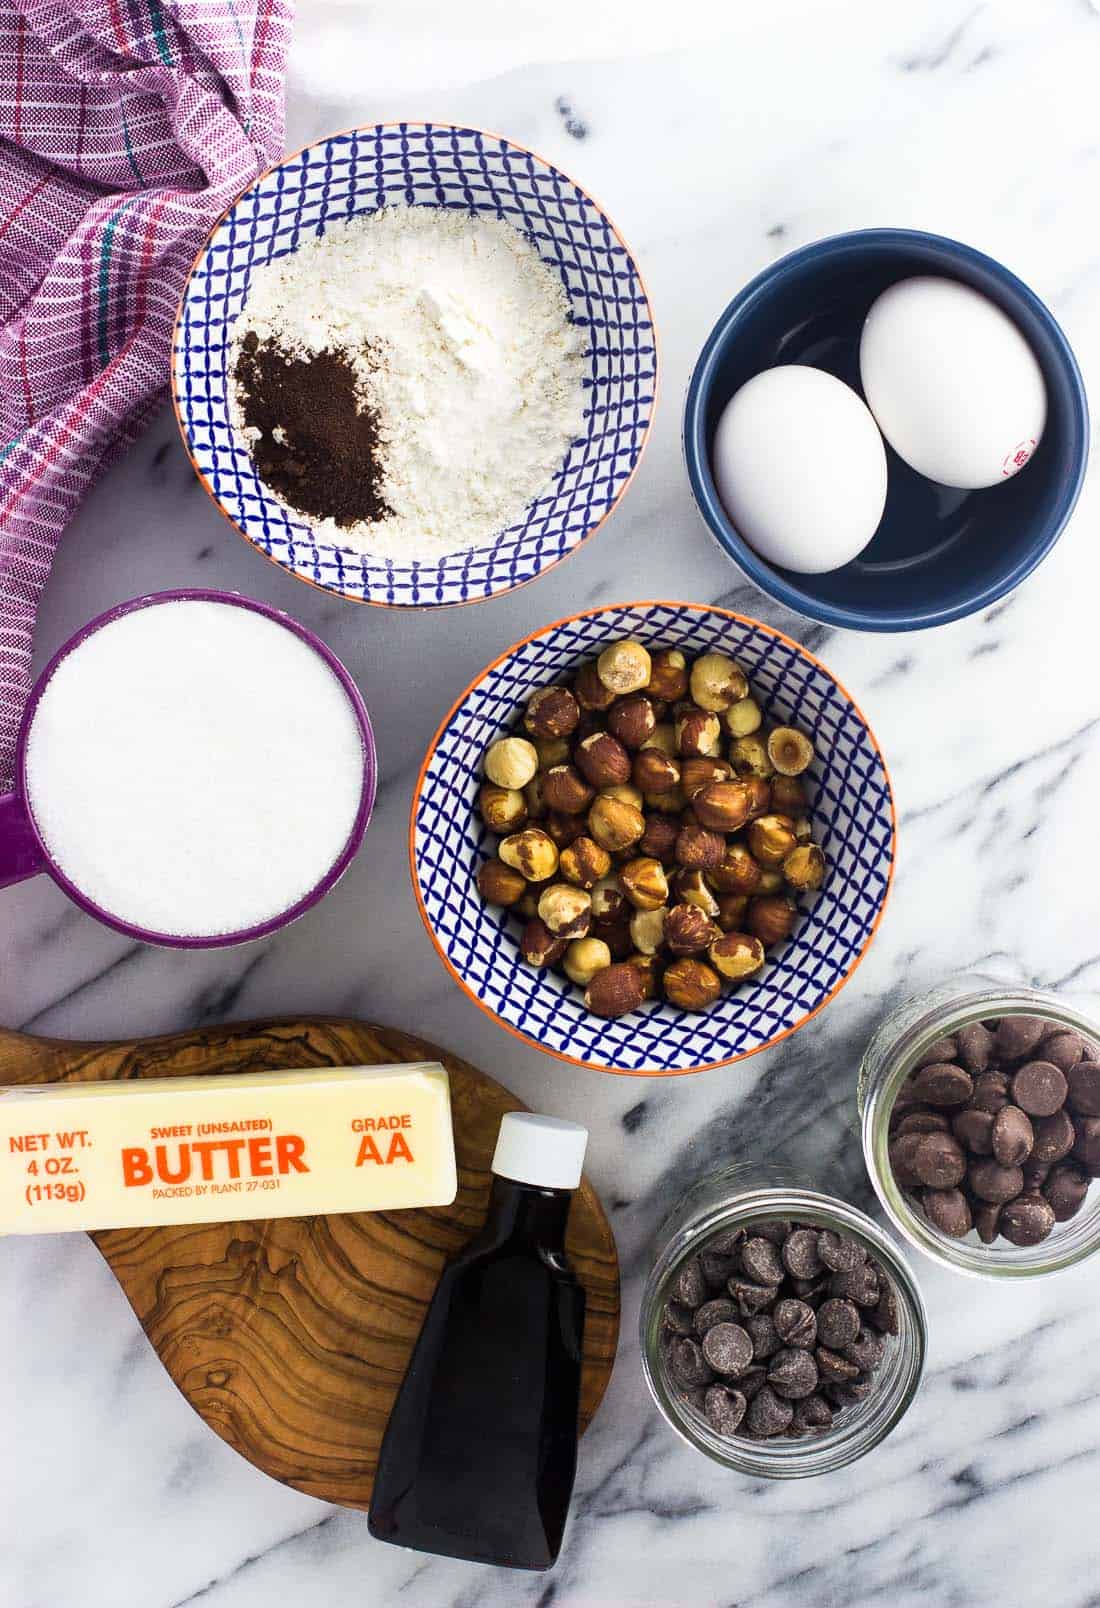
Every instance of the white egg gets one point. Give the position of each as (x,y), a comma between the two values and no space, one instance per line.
(955,387)
(800,467)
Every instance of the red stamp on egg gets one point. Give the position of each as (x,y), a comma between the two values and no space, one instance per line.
(1018,457)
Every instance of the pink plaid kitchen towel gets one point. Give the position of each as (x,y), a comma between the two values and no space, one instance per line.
(126,129)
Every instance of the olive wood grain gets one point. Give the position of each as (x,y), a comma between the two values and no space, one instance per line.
(291,1337)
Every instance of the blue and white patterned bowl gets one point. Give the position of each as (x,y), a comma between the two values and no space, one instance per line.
(853,816)
(438,165)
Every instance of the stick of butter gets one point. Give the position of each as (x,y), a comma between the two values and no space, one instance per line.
(213,1149)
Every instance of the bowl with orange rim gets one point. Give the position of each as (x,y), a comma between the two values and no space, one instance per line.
(431,165)
(850,805)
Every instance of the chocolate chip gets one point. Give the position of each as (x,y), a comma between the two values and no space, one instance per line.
(866,1351)
(1017,1036)
(1091,1051)
(990,1181)
(760,1260)
(752,1380)
(696,1398)
(1027,1220)
(727,1348)
(724,1409)
(751,1297)
(774,1229)
(903,1159)
(885,1315)
(943,1049)
(793,1374)
(1066,1189)
(838,1324)
(1039,1088)
(1054,1138)
(1084,1088)
(1035,1177)
(691,1286)
(678,1318)
(726,1243)
(923,1121)
(688,1365)
(717,1269)
(943,1085)
(948,1210)
(975,1043)
(812,1291)
(861,1285)
(839,1252)
(1064,1049)
(939,1161)
(767,1415)
(990,1092)
(711,1312)
(795,1323)
(1086,1149)
(800,1256)
(764,1336)
(812,1412)
(849,1395)
(974,1129)
(986,1217)
(833,1368)
(1013,1136)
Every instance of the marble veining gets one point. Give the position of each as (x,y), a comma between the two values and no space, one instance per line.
(718,138)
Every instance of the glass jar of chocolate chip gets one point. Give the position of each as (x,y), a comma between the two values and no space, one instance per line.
(782,1332)
(980,1109)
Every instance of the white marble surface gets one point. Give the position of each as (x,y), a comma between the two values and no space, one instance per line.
(717,140)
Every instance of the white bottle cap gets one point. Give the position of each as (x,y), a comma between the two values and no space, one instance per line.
(544,1151)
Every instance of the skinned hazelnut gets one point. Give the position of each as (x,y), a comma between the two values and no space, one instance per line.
(749,757)
(647,929)
(566,910)
(788,795)
(624,667)
(688,930)
(804,867)
(696,773)
(552,712)
(691,887)
(663,737)
(565,789)
(803,829)
(772,918)
(538,945)
(736,955)
(632,720)
(590,690)
(551,751)
(644,883)
(625,792)
(503,809)
(771,839)
(609,902)
(698,734)
(742,718)
(668,675)
(691,984)
(602,760)
(655,772)
(646,966)
(790,751)
(717,682)
(532,853)
(615,824)
(615,990)
(534,799)
(511,762)
(731,911)
(500,884)
(698,849)
(584,863)
(738,872)
(659,837)
(584,958)
(723,806)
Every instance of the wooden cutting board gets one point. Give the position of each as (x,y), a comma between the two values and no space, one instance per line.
(291,1337)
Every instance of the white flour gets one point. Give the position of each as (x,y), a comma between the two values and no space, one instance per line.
(476,377)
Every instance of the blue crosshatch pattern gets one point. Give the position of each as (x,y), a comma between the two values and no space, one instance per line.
(423,165)
(853,820)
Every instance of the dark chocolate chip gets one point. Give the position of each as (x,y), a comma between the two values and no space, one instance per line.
(850,1395)
(839,1252)
(975,1044)
(833,1368)
(727,1348)
(943,1085)
(793,1373)
(717,1269)
(724,1409)
(974,1129)
(727,1242)
(986,1217)
(1054,1137)
(800,1256)
(861,1285)
(1066,1189)
(764,1336)
(1084,1088)
(767,1415)
(1013,1136)
(1017,1036)
(838,1323)
(990,1092)
(1027,1220)
(885,1315)
(752,1380)
(795,1323)
(812,1291)
(866,1351)
(1039,1088)
(1086,1147)
(948,1210)
(688,1365)
(761,1261)
(773,1229)
(720,1310)
(990,1181)
(812,1412)
(678,1318)
(943,1049)
(751,1297)
(691,1286)
(939,1161)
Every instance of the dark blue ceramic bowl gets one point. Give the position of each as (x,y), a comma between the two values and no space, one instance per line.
(939,553)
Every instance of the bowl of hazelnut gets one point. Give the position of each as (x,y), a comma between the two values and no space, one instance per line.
(653,838)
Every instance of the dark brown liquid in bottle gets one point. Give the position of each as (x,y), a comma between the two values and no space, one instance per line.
(481,1447)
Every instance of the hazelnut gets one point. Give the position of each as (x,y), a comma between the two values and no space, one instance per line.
(539,946)
(691,887)
(552,712)
(731,911)
(500,884)
(760,795)
(771,880)
(698,849)
(565,789)
(535,799)
(723,806)
(668,675)
(790,751)
(584,958)
(511,762)
(646,966)
(552,751)
(771,839)
(602,760)
(647,929)
(655,772)
(624,667)
(659,837)
(528,906)
(608,899)
(625,792)
(696,773)
(584,863)
(616,935)
(531,852)
(564,829)
(671,802)
(691,985)
(566,910)
(688,930)
(615,990)
(644,883)
(698,734)
(717,682)
(804,868)
(632,720)
(772,918)
(615,824)
(663,737)
(736,955)
(742,718)
(788,795)
(503,809)
(590,690)
(749,757)
(803,830)
(738,872)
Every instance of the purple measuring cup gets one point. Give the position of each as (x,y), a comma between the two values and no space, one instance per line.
(23,853)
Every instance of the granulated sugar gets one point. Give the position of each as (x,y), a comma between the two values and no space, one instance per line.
(194,768)
(460,338)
